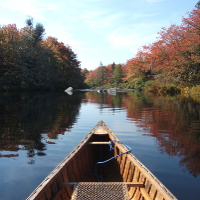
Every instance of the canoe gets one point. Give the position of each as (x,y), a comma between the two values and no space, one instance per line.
(101,167)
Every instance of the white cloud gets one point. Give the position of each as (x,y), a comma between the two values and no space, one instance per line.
(64,35)
(154,1)
(32,8)
(133,38)
(100,19)
(143,15)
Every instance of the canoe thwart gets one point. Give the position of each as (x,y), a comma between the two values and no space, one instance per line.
(99,142)
(128,184)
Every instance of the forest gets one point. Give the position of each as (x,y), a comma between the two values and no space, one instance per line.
(29,62)
(169,65)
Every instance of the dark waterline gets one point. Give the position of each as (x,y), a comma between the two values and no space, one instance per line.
(38,130)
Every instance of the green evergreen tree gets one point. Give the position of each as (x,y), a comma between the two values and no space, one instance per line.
(117,74)
(101,74)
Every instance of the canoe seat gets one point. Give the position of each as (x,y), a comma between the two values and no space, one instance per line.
(100,190)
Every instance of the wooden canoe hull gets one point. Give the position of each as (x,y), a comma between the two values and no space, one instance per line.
(80,169)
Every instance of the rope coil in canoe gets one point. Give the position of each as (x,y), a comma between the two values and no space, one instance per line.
(112,147)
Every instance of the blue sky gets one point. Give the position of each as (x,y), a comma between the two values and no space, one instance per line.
(104,31)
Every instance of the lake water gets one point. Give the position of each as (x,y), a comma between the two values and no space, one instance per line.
(38,130)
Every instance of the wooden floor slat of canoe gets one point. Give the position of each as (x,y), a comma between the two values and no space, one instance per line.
(145,194)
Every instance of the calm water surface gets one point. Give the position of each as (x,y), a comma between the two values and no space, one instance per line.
(38,130)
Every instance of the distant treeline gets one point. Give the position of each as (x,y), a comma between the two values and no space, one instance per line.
(104,76)
(27,61)
(167,65)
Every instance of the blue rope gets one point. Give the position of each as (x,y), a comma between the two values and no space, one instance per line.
(112,144)
(111,148)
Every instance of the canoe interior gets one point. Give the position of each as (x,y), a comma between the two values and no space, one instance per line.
(81,166)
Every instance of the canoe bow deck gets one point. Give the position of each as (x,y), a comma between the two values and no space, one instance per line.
(80,177)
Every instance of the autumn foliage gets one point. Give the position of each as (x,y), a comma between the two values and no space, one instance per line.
(173,58)
(27,61)
(106,76)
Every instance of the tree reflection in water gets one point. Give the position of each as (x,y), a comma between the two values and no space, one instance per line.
(173,120)
(26,119)
(33,121)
